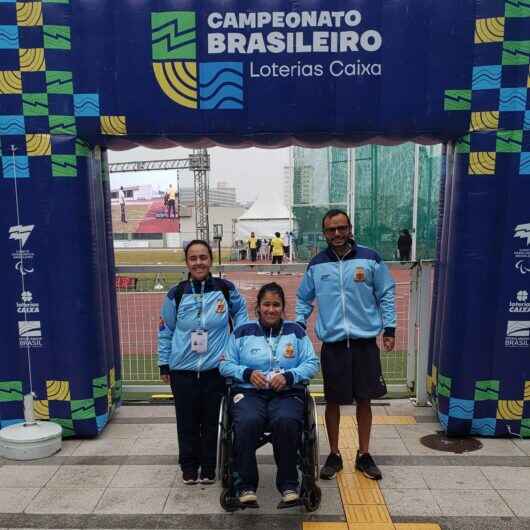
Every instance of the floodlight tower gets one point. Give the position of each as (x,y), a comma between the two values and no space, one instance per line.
(200,165)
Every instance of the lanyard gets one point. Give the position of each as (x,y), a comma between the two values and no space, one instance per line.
(272,345)
(200,302)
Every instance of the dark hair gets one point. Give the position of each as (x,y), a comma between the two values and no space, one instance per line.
(332,213)
(198,242)
(272,287)
(277,234)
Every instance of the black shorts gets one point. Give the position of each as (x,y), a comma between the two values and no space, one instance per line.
(277,259)
(352,373)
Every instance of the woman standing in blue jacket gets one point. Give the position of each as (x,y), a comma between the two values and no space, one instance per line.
(267,358)
(193,332)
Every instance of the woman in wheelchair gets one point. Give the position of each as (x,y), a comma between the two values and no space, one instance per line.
(266,359)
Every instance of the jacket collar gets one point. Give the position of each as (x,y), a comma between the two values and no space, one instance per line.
(333,256)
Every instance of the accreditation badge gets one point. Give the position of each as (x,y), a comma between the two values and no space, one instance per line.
(359,274)
(199,341)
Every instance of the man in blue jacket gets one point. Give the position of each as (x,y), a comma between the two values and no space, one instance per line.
(355,296)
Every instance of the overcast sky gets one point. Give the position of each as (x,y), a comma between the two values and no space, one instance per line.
(249,170)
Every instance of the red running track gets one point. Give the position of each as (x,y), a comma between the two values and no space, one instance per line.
(152,224)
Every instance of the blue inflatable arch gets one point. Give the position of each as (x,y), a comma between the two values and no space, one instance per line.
(80,76)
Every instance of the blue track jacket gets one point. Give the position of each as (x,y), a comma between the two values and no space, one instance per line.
(355,295)
(174,335)
(252,347)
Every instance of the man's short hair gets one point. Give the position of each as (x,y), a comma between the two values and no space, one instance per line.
(332,213)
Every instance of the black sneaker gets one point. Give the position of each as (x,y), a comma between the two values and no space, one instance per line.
(207,476)
(332,466)
(366,465)
(189,476)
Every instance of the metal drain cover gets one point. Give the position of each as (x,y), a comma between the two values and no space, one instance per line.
(440,442)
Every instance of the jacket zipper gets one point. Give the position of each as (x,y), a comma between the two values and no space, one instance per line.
(342,297)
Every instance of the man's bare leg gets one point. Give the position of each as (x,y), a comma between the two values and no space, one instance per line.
(332,426)
(364,424)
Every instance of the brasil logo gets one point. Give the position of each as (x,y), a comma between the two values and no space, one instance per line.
(203,85)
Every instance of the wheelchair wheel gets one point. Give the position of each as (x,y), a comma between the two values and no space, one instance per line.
(229,503)
(223,446)
(312,499)
(312,452)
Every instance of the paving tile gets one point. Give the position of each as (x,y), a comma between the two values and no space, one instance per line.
(497,447)
(108,447)
(385,431)
(356,480)
(508,478)
(68,447)
(454,478)
(67,500)
(26,476)
(195,499)
(123,430)
(402,477)
(160,430)
(15,500)
(419,429)
(411,502)
(146,411)
(517,500)
(416,526)
(154,446)
(144,477)
(371,526)
(361,496)
(471,503)
(388,446)
(133,500)
(415,448)
(307,525)
(523,445)
(367,514)
(82,476)
(393,420)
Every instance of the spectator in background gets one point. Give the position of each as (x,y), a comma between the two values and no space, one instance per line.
(287,245)
(404,245)
(252,243)
(276,246)
(171,196)
(263,253)
(121,197)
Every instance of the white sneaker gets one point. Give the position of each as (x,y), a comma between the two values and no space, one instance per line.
(290,496)
(247,496)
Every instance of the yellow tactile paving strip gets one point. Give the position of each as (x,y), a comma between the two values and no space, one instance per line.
(362,500)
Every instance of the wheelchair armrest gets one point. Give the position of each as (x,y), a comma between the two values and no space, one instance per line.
(304,382)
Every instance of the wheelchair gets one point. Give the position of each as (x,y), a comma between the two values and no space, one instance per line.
(308,457)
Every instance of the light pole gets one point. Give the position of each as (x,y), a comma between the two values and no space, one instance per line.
(218,236)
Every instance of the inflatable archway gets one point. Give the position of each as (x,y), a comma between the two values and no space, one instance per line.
(78,76)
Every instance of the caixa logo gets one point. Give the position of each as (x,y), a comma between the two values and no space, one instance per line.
(191,84)
(26,305)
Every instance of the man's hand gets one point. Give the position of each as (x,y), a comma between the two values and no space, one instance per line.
(389,343)
(278,382)
(165,378)
(259,380)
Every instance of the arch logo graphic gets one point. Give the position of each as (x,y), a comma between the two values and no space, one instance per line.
(191,84)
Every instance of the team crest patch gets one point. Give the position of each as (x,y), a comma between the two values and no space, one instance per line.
(220,308)
(289,351)
(161,324)
(359,274)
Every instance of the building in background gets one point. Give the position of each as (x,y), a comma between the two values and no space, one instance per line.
(288,186)
(385,189)
(222,195)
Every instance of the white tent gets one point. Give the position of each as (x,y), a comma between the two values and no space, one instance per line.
(266,216)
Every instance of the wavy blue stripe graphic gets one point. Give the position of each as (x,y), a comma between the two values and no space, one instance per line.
(461,408)
(224,81)
(12,125)
(221,86)
(524,164)
(526,123)
(483,426)
(512,99)
(486,77)
(86,105)
(231,74)
(21,167)
(8,37)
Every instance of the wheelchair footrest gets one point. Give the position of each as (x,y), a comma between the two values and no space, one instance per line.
(283,505)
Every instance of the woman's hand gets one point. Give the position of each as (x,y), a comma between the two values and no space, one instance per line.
(278,382)
(259,380)
(165,378)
